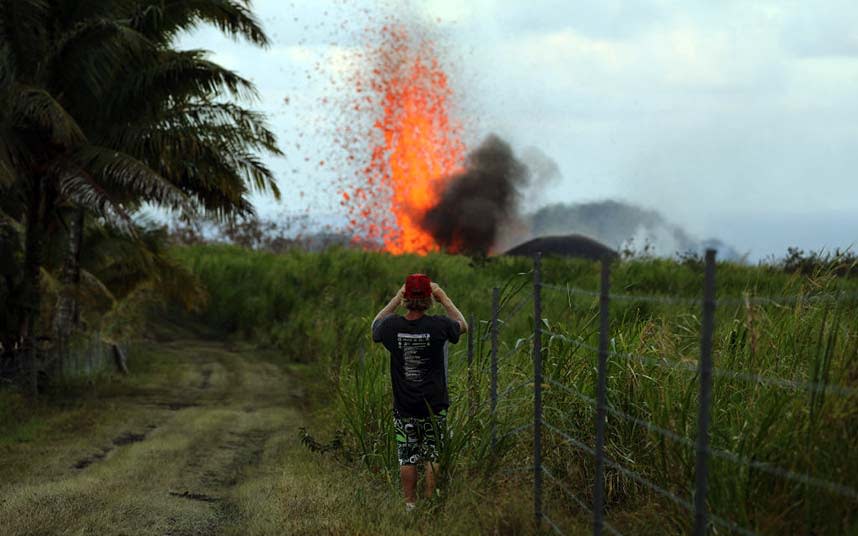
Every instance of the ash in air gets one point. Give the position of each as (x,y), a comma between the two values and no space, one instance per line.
(477,203)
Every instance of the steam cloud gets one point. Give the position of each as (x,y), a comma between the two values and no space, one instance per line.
(483,210)
(477,203)
(623,226)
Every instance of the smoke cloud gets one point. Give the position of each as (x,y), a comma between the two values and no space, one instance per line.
(544,172)
(477,203)
(623,226)
(497,203)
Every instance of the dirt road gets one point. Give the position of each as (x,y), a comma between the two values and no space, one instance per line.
(192,453)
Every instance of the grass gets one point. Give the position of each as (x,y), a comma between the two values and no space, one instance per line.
(316,308)
(224,459)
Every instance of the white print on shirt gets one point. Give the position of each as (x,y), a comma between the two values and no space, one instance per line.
(413,346)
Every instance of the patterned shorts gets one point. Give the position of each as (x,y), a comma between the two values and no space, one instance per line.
(419,439)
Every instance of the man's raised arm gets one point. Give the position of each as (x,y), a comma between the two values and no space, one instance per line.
(452,311)
(390,308)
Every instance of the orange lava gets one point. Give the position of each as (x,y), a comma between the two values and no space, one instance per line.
(418,145)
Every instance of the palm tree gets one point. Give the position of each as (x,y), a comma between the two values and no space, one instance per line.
(167,113)
(40,138)
(99,115)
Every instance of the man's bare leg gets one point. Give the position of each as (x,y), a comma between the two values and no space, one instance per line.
(408,477)
(431,473)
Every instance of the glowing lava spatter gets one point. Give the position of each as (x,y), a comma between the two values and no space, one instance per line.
(417,145)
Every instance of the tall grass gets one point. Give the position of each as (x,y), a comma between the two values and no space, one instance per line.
(317,307)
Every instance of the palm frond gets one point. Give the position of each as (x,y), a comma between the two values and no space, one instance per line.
(82,189)
(8,155)
(92,53)
(171,78)
(117,171)
(71,13)
(36,108)
(182,130)
(7,71)
(90,282)
(6,219)
(7,171)
(7,136)
(163,20)
(230,122)
(22,27)
(122,264)
(218,190)
(255,172)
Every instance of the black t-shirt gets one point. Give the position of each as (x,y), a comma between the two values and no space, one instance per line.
(418,361)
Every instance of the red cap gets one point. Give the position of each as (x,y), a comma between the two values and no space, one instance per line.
(418,286)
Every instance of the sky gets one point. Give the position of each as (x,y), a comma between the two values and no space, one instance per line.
(735,120)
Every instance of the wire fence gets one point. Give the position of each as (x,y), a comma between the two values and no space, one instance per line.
(702,372)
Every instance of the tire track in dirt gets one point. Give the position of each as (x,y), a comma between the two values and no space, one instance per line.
(207,432)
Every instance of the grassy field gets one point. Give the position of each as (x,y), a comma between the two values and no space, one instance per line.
(316,308)
(204,438)
(205,435)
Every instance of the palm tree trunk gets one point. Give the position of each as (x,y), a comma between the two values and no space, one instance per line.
(67,306)
(33,256)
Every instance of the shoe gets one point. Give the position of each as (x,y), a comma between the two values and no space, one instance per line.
(410,507)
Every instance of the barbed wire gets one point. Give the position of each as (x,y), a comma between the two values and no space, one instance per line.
(513,387)
(519,344)
(640,479)
(838,297)
(571,440)
(749,377)
(552,524)
(547,472)
(516,399)
(517,469)
(637,477)
(623,297)
(516,430)
(572,391)
(528,297)
(802,478)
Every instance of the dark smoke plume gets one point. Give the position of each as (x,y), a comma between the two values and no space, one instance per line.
(476,203)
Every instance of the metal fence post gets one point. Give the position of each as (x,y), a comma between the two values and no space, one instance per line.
(494,364)
(701,470)
(472,323)
(537,388)
(601,398)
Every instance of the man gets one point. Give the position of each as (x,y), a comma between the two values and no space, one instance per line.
(417,343)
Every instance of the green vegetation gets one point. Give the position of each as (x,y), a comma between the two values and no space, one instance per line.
(101,115)
(316,308)
(220,453)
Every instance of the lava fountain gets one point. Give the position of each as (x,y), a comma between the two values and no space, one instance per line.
(417,145)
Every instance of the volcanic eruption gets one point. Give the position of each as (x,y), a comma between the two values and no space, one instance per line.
(417,142)
(421,190)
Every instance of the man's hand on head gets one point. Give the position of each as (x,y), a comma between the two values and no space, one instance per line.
(437,292)
(452,312)
(390,308)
